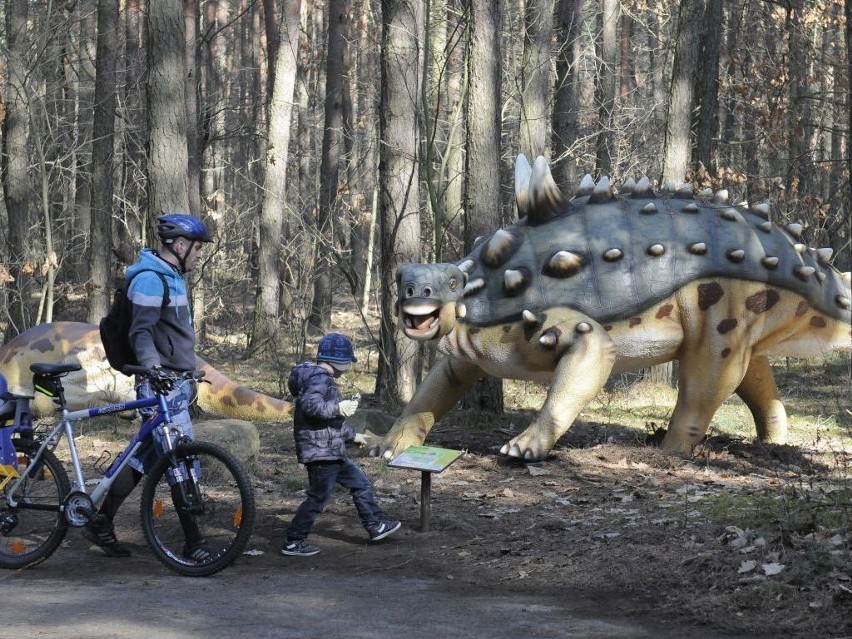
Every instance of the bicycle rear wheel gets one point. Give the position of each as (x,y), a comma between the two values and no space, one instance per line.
(29,536)
(198,509)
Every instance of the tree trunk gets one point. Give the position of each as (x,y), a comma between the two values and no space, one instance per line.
(606,86)
(103,132)
(566,129)
(707,81)
(535,78)
(483,203)
(265,334)
(399,180)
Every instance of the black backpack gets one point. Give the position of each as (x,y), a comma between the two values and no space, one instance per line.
(115,327)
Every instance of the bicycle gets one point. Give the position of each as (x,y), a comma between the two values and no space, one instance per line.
(194,483)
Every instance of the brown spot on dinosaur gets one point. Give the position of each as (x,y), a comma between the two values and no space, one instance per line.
(635,321)
(763,301)
(726,352)
(802,308)
(817,321)
(42,346)
(664,311)
(709,294)
(726,326)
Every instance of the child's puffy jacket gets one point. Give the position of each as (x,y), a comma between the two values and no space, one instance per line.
(320,431)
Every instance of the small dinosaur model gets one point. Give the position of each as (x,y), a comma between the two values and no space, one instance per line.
(578,290)
(97,383)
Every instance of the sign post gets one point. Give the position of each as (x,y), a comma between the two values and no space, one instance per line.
(428,460)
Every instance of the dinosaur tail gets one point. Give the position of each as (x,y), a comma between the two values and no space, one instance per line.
(225,397)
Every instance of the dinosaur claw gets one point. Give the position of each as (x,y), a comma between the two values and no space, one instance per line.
(505,449)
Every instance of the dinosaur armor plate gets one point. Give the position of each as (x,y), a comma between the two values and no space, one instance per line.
(578,290)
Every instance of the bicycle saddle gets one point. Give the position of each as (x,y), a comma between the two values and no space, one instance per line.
(42,368)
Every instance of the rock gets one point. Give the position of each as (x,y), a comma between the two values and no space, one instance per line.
(237,436)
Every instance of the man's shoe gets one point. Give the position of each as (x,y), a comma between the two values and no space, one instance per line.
(299,548)
(101,533)
(199,553)
(384,529)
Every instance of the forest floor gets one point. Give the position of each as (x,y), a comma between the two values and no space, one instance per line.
(741,540)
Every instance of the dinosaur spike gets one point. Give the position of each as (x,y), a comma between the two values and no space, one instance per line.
(804,272)
(564,264)
(649,208)
(800,248)
(628,187)
(763,209)
(736,255)
(692,207)
(473,286)
(465,266)
(501,247)
(549,338)
(699,248)
(766,227)
(684,192)
(583,327)
(847,277)
(529,318)
(461,309)
(478,240)
(613,255)
(824,255)
(729,214)
(545,197)
(821,277)
(522,184)
(843,302)
(794,229)
(643,189)
(770,261)
(602,192)
(587,185)
(721,196)
(515,280)
(705,195)
(656,250)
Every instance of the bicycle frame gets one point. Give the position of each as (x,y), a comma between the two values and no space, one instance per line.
(65,427)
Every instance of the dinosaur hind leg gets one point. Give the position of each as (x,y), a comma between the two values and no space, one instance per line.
(760,394)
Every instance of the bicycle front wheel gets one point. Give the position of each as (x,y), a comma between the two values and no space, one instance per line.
(198,509)
(32,530)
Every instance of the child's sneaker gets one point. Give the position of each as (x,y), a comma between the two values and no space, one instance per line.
(384,529)
(299,548)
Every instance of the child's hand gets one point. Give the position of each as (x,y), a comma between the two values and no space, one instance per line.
(347,407)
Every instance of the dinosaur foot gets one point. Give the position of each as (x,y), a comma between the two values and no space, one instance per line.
(526,454)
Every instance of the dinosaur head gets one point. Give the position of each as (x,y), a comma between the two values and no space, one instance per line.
(429,299)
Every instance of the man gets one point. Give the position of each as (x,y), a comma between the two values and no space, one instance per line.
(161,336)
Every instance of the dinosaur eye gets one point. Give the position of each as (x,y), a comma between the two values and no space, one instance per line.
(454,283)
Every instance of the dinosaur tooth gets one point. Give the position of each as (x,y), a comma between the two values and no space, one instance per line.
(656,250)
(766,227)
(770,261)
(699,248)
(563,264)
(804,272)
(473,286)
(736,255)
(794,229)
(824,255)
(762,209)
(650,207)
(602,192)
(583,327)
(843,302)
(613,255)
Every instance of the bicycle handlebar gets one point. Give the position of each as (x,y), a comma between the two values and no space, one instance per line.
(162,379)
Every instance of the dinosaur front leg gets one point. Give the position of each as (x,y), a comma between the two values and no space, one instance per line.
(760,394)
(579,376)
(439,392)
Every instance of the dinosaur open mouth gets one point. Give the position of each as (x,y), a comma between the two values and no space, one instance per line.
(420,320)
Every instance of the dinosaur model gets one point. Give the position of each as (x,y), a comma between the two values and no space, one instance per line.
(578,290)
(97,383)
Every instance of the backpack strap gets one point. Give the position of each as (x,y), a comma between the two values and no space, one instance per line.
(162,277)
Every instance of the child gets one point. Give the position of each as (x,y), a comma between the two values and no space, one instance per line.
(321,435)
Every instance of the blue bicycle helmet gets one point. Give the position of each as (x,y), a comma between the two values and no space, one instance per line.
(174,225)
(336,349)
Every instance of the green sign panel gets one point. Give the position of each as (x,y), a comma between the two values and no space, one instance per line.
(426,458)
